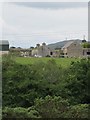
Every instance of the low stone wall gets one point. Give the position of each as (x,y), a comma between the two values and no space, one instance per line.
(3,52)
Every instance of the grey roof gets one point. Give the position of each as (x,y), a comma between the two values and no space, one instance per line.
(68,44)
(4,42)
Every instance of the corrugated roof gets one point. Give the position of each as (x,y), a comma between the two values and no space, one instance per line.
(4,42)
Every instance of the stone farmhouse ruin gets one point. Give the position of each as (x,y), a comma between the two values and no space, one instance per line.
(41,51)
(72,48)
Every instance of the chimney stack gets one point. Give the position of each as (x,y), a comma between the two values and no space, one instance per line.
(43,44)
(37,45)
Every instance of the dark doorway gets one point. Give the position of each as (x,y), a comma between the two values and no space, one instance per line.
(51,53)
(88,53)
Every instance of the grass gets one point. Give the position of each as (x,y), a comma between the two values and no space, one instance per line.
(64,62)
(0,58)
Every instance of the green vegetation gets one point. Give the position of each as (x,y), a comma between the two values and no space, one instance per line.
(0,113)
(50,107)
(86,45)
(0,58)
(44,88)
(64,62)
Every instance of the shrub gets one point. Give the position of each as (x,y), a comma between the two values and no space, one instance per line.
(19,113)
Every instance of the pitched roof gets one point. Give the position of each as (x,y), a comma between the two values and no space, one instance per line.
(4,42)
(68,44)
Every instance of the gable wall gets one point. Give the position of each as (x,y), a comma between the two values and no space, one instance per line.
(75,50)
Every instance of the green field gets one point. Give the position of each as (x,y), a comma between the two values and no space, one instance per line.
(64,62)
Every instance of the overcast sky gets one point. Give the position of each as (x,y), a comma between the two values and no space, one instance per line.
(25,24)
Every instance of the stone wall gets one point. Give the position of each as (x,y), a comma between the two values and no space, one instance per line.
(75,50)
(41,51)
(3,52)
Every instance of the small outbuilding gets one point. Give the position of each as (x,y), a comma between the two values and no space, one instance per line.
(86,52)
(4,46)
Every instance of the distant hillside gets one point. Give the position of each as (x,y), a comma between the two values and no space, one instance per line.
(61,44)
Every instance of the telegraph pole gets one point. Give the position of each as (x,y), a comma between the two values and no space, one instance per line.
(84,37)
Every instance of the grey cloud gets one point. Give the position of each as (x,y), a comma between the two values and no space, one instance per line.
(53,5)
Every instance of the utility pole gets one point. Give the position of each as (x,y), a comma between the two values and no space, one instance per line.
(66,38)
(84,37)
